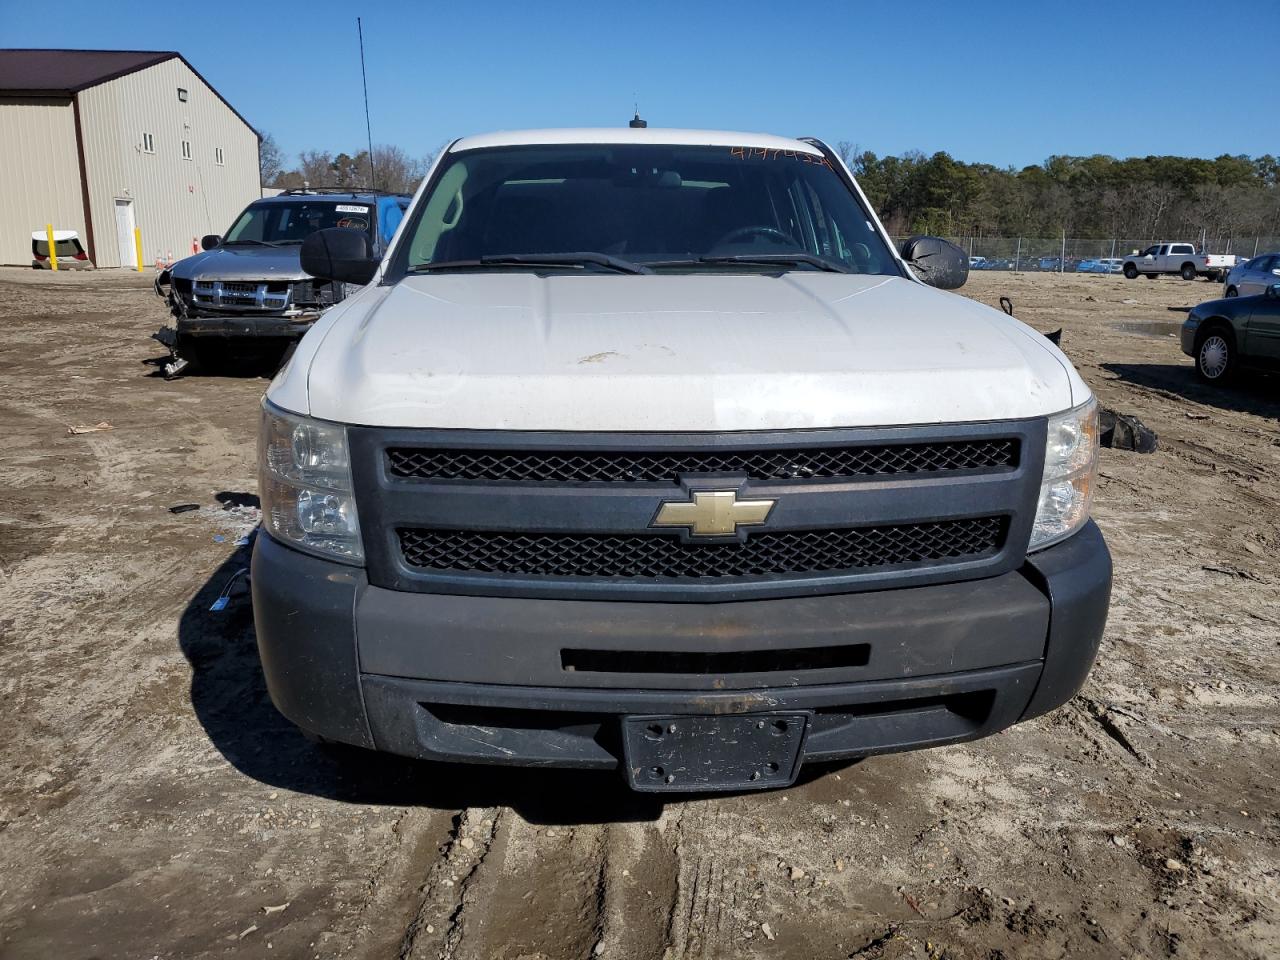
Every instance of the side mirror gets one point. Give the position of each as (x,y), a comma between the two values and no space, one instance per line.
(937,262)
(1273,292)
(209,241)
(339,253)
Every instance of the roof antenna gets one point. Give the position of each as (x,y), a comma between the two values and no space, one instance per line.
(368,129)
(636,123)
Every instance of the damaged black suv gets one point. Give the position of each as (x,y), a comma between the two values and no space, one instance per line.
(247,288)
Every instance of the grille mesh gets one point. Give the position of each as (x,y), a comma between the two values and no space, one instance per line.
(765,464)
(632,556)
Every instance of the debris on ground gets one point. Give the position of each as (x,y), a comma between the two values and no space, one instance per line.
(168,337)
(184,507)
(224,596)
(1123,431)
(96,428)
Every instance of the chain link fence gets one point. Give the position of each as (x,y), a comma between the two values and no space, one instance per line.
(1072,255)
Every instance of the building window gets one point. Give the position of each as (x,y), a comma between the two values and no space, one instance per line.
(182,94)
(186,149)
(217,156)
(148,143)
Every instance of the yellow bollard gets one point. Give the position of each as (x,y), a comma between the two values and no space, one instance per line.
(53,250)
(137,244)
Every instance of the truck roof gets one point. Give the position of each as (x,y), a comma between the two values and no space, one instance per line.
(662,136)
(363,196)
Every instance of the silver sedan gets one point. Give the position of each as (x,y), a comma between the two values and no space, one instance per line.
(1253,276)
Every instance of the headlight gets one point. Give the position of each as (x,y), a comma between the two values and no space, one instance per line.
(305,485)
(1070,474)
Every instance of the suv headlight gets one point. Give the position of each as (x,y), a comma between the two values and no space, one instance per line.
(1070,474)
(304,472)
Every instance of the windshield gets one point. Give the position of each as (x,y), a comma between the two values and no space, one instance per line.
(286,223)
(660,207)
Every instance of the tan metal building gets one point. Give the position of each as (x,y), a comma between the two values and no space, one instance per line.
(101,141)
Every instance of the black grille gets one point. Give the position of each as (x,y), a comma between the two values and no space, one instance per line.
(632,556)
(766,464)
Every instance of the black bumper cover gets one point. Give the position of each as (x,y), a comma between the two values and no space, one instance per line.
(227,326)
(486,680)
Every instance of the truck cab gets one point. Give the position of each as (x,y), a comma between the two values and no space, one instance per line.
(647,450)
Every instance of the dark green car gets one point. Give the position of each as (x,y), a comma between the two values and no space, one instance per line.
(1223,336)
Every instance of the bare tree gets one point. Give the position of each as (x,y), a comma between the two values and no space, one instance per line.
(270,161)
(316,167)
(394,170)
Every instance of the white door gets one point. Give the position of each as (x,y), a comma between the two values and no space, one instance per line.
(124,233)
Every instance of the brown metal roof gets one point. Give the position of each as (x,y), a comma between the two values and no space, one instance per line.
(69,71)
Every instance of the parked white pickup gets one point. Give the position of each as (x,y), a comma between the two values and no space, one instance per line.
(1180,258)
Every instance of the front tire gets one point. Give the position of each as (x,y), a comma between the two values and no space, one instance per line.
(1130,272)
(1232,292)
(1188,271)
(1216,360)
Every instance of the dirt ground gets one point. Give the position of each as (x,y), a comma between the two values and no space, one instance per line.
(154,805)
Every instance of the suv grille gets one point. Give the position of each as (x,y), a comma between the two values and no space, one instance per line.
(647,557)
(241,295)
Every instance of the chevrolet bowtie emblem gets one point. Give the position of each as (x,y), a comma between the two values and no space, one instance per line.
(712,513)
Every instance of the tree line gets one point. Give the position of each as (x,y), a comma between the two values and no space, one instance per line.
(1137,198)
(392,169)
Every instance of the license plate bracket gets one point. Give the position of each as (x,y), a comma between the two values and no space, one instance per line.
(748,751)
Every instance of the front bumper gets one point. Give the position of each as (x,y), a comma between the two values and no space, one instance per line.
(197,324)
(1190,329)
(546,682)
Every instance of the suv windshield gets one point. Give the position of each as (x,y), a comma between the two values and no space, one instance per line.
(284,223)
(641,207)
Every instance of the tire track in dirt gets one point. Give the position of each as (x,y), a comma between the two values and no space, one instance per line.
(373,927)
(536,894)
(638,893)
(505,888)
(435,929)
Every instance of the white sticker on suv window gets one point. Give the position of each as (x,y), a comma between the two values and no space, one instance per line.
(349,208)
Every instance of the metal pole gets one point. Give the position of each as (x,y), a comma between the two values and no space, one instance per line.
(53,249)
(368,129)
(1113,248)
(1255,246)
(1017,256)
(1062,261)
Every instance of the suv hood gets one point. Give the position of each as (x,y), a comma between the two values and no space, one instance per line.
(517,351)
(241,263)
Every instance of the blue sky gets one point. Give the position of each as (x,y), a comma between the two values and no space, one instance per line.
(1003,83)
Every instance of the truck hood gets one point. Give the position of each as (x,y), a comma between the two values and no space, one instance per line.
(517,351)
(241,263)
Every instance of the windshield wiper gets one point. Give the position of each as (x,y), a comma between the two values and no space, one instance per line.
(537,260)
(232,243)
(762,259)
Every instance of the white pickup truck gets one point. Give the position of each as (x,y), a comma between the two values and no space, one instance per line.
(647,449)
(1180,258)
